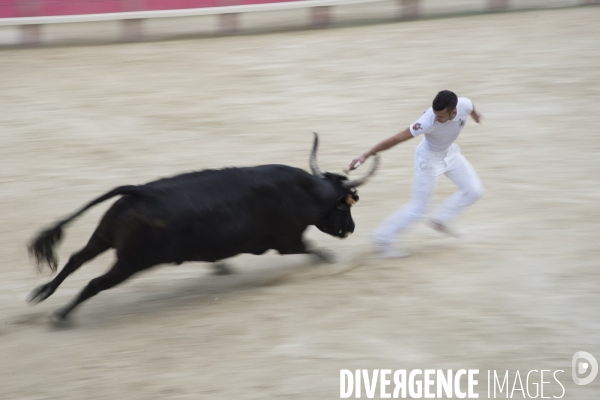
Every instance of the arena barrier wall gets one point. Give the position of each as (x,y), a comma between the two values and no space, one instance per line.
(40,22)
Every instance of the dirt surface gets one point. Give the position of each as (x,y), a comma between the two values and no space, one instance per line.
(520,292)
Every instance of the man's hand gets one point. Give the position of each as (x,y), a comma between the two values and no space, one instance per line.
(476,115)
(357,161)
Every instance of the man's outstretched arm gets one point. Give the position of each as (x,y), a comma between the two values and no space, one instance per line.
(384,145)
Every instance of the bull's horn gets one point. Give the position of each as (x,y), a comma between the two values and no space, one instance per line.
(314,167)
(352,183)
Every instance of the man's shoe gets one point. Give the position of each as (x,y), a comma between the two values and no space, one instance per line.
(391,252)
(387,250)
(444,228)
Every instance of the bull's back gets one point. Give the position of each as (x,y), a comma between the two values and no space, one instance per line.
(210,215)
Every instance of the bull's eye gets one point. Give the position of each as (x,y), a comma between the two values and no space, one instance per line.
(342,203)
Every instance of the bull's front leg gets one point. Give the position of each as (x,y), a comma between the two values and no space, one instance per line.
(299,247)
(221,268)
(322,256)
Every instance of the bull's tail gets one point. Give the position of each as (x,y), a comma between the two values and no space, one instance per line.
(43,245)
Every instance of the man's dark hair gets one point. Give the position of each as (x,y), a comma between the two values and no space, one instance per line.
(445,100)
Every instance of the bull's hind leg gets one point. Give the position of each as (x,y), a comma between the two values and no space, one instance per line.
(93,248)
(117,274)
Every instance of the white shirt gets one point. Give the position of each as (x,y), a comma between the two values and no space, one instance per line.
(440,136)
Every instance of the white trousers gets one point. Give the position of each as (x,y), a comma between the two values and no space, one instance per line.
(429,166)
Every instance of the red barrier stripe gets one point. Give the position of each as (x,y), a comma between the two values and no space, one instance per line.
(46,8)
(410,9)
(498,5)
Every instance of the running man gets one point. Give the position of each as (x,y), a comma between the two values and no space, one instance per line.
(437,154)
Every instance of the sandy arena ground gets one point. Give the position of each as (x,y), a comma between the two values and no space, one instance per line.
(520,292)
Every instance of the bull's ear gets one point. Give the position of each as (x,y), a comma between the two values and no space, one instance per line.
(350,200)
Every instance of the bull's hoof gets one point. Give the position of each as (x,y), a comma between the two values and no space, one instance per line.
(40,294)
(323,256)
(222,269)
(59,319)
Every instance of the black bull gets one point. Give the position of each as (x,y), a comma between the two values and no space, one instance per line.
(204,216)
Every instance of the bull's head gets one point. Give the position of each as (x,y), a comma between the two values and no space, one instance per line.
(338,221)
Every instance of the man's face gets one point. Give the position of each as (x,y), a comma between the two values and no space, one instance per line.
(444,115)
